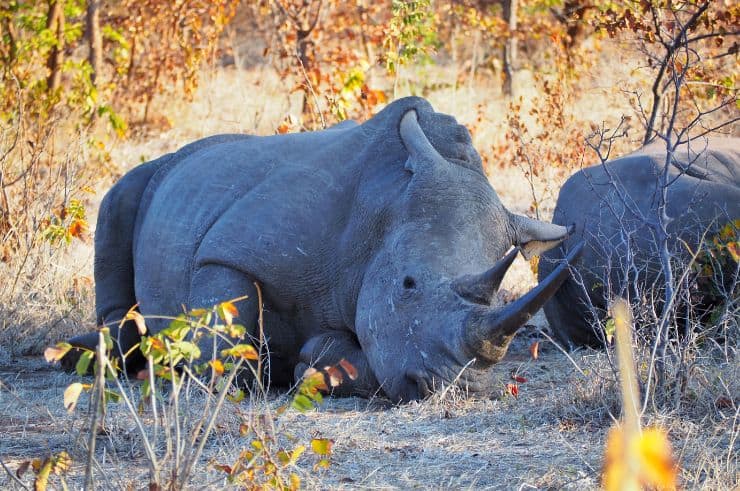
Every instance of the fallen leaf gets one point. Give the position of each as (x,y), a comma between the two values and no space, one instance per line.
(512,389)
(518,378)
(348,368)
(534,350)
(723,403)
(223,467)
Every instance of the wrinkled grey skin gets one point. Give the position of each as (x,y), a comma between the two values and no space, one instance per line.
(368,243)
(620,254)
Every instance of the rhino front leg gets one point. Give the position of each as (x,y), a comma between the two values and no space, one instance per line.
(328,349)
(212,284)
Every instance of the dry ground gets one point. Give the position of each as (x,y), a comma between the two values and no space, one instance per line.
(550,437)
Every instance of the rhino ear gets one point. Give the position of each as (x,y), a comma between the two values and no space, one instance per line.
(421,151)
(534,237)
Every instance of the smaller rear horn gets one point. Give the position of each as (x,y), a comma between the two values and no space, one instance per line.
(481,287)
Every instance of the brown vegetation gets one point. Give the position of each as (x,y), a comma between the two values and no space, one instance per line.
(89,89)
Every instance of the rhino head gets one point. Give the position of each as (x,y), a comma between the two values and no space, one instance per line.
(427,312)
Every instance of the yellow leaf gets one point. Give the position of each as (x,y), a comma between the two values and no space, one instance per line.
(295,481)
(218,366)
(645,462)
(246,351)
(228,311)
(71,395)
(321,446)
(133,315)
(734,250)
(61,463)
(657,465)
(56,353)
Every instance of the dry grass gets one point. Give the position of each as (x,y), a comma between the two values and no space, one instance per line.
(550,437)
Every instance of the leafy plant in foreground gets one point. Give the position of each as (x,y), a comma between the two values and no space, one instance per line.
(181,397)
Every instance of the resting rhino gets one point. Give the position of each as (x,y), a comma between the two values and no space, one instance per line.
(611,206)
(377,243)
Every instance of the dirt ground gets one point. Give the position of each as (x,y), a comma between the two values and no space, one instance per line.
(454,442)
(549,437)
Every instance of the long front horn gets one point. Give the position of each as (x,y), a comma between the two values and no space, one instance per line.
(481,287)
(488,338)
(414,139)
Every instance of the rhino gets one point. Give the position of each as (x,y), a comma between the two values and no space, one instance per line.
(382,243)
(613,207)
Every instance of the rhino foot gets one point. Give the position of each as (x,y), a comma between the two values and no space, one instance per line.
(132,363)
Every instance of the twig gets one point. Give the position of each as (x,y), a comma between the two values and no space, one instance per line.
(183,478)
(13,476)
(151,455)
(541,331)
(98,397)
(671,48)
(260,324)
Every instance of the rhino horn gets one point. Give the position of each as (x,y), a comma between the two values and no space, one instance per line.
(535,237)
(488,337)
(416,142)
(481,287)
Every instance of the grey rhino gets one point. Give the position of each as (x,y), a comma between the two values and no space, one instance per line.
(377,243)
(612,206)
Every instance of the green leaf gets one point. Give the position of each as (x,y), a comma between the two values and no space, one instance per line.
(83,364)
(111,396)
(186,350)
(239,396)
(178,329)
(301,403)
(296,454)
(146,389)
(609,329)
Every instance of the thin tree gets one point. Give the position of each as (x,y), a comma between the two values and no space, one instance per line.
(55,23)
(95,41)
(509,53)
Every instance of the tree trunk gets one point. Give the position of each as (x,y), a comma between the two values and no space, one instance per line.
(55,21)
(95,41)
(510,45)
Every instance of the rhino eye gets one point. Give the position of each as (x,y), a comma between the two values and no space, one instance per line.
(409,283)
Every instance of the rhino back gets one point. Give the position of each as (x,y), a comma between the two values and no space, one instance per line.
(613,206)
(272,207)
